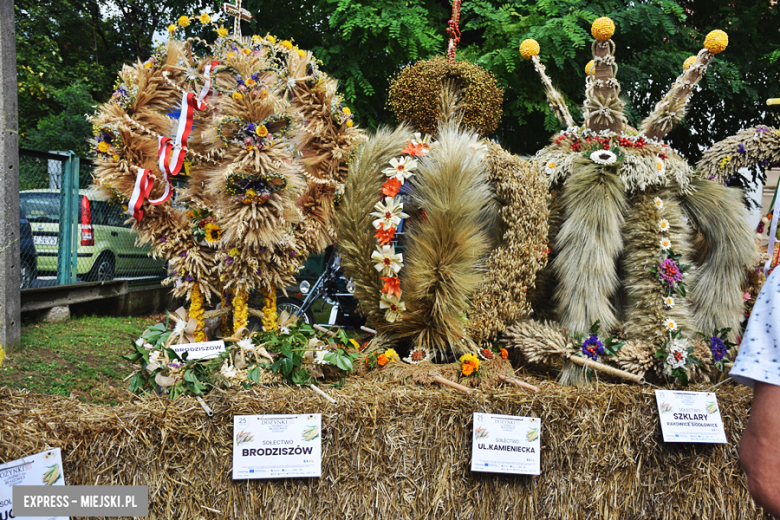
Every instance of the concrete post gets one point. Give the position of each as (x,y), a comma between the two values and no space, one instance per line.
(10,315)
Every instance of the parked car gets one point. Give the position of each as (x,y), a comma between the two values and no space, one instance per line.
(106,245)
(28,256)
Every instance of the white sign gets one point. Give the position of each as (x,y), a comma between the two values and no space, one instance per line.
(43,469)
(506,444)
(690,417)
(277,446)
(203,350)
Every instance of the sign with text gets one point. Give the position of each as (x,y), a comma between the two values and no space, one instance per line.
(690,417)
(277,446)
(43,469)
(202,350)
(506,444)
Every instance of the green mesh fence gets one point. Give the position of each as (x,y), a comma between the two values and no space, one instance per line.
(71,234)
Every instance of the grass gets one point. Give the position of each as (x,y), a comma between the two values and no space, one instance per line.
(81,357)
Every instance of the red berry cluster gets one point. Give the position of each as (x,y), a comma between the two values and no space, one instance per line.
(603,142)
(576,145)
(560,138)
(628,143)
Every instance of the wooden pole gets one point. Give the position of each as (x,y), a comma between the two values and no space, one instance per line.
(446,382)
(10,267)
(521,384)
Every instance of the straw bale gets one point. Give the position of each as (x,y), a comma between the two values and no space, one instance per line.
(393,451)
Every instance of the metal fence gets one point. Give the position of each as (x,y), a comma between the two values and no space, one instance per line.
(72,234)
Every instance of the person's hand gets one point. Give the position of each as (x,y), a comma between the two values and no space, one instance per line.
(759,450)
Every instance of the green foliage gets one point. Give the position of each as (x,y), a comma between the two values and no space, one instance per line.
(365,42)
(291,347)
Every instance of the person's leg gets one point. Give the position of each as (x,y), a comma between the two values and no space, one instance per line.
(759,450)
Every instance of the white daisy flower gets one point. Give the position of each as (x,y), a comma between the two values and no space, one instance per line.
(550,167)
(603,157)
(319,357)
(418,355)
(401,168)
(670,325)
(387,262)
(284,330)
(658,203)
(388,214)
(668,302)
(140,342)
(666,244)
(394,307)
(678,355)
(664,225)
(660,167)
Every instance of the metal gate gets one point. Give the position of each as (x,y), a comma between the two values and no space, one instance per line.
(70,233)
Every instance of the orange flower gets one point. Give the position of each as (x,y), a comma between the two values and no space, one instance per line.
(385,235)
(392,285)
(391,187)
(415,150)
(504,353)
(467,369)
(474,363)
(382,360)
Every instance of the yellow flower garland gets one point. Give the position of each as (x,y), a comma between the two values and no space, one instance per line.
(269,311)
(196,312)
(240,309)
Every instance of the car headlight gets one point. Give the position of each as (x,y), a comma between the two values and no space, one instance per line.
(304,287)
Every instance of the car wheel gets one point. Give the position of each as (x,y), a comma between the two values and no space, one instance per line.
(28,275)
(102,270)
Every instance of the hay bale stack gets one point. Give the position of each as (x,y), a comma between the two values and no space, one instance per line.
(393,452)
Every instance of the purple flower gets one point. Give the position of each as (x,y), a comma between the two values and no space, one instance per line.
(741,148)
(188,278)
(259,272)
(762,128)
(670,272)
(263,249)
(229,260)
(175,365)
(592,347)
(163,239)
(250,127)
(293,253)
(718,348)
(183,254)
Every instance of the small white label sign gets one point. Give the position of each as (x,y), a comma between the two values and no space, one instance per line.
(690,417)
(506,444)
(277,446)
(203,350)
(43,469)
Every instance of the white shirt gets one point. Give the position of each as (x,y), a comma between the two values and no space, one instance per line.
(759,353)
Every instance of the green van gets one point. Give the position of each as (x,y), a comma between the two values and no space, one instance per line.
(106,247)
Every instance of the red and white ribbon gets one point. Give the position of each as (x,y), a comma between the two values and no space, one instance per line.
(170,153)
(143,187)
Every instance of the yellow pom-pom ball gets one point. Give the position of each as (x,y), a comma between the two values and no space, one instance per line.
(716,41)
(690,61)
(590,68)
(603,29)
(184,21)
(529,48)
